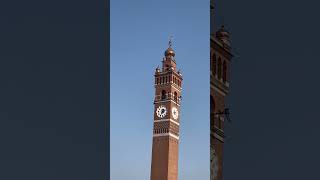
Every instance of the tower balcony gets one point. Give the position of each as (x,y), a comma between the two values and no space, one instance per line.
(167,97)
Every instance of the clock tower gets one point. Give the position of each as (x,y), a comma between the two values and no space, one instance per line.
(165,145)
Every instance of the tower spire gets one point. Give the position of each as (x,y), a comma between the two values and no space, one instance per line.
(170,41)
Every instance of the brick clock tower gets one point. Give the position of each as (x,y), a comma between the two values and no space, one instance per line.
(165,145)
(220,57)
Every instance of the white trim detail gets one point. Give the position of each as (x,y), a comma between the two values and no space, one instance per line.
(173,85)
(166,134)
(162,120)
(166,101)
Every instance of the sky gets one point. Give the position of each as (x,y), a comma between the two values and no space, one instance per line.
(139,32)
(274,95)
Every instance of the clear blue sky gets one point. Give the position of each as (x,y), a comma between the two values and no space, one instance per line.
(140,31)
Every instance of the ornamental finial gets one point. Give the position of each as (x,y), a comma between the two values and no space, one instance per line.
(170,41)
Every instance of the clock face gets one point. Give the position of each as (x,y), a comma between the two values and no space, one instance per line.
(161,111)
(214,164)
(175,113)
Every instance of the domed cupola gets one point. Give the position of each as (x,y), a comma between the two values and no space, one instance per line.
(223,36)
(169,62)
(170,51)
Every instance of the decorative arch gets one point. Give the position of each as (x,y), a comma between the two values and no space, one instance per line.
(214,65)
(175,96)
(163,95)
(224,71)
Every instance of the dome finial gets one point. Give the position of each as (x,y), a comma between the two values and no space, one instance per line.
(169,51)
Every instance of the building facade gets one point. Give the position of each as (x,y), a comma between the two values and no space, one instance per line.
(165,145)
(220,57)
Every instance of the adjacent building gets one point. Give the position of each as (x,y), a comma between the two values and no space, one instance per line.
(220,57)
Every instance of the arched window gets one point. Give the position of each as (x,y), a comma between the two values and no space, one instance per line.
(214,65)
(224,71)
(212,111)
(167,66)
(163,95)
(219,68)
(175,97)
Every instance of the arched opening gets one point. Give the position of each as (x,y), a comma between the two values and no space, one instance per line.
(163,95)
(224,71)
(175,97)
(167,67)
(214,65)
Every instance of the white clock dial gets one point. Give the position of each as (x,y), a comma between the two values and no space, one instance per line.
(175,113)
(214,164)
(161,111)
